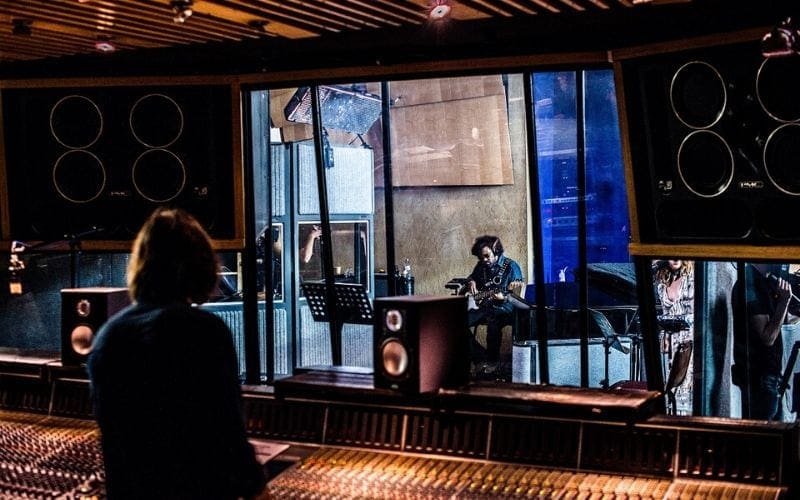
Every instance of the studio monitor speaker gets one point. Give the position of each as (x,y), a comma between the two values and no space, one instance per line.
(101,159)
(420,343)
(83,312)
(715,139)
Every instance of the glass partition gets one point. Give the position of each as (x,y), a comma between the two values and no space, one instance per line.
(728,335)
(584,230)
(460,170)
(351,242)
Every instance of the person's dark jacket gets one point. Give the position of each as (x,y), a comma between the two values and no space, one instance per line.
(164,382)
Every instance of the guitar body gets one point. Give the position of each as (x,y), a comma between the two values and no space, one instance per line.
(478,299)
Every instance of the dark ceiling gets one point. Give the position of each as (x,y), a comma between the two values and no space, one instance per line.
(51,38)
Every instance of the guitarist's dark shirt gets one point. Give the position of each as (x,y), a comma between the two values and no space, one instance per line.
(496,278)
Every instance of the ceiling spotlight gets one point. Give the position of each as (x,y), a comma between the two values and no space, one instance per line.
(783,40)
(182,10)
(439,10)
(21,27)
(104,45)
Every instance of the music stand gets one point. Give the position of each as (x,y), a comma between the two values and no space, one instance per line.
(610,340)
(352,306)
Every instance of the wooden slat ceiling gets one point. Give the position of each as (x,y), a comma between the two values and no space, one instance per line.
(40,29)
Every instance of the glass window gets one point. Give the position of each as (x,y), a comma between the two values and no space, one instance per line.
(728,334)
(584,228)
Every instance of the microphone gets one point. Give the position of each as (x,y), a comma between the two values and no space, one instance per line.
(774,279)
(15,268)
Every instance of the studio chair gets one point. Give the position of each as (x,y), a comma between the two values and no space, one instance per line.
(677,373)
(519,321)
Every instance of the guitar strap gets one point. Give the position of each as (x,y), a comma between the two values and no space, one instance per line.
(497,279)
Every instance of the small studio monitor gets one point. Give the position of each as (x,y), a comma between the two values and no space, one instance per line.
(83,312)
(420,343)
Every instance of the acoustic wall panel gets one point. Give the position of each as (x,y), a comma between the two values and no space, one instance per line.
(349,180)
(714,144)
(94,162)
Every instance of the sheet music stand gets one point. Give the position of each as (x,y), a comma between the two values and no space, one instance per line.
(610,339)
(352,306)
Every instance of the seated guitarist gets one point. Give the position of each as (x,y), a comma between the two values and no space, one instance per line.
(489,284)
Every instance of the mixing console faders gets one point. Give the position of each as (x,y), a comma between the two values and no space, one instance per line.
(331,473)
(47,457)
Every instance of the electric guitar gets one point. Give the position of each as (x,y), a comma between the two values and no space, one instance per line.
(478,299)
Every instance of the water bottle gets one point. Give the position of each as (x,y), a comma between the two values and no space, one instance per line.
(407,280)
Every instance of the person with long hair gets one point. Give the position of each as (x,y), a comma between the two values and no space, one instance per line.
(674,282)
(164,378)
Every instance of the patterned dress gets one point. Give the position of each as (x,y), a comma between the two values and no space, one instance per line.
(682,305)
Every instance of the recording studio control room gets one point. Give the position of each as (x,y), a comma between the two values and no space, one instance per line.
(458,249)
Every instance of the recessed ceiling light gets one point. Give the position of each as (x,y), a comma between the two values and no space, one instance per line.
(104,45)
(440,10)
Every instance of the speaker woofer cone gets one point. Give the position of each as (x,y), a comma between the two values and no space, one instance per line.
(156,121)
(72,110)
(782,158)
(705,163)
(79,176)
(81,339)
(697,95)
(395,358)
(158,175)
(777,82)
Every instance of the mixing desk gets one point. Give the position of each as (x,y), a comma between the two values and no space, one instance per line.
(49,457)
(335,436)
(338,473)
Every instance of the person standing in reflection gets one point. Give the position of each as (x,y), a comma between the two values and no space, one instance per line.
(488,285)
(768,297)
(674,281)
(307,249)
(164,378)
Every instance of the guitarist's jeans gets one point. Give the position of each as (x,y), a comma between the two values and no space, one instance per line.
(495,318)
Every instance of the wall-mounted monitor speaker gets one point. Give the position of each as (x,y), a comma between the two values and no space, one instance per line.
(83,312)
(420,343)
(715,137)
(81,159)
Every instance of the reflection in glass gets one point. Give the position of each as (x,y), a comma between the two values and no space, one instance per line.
(767,374)
(350,246)
(270,245)
(674,287)
(585,241)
